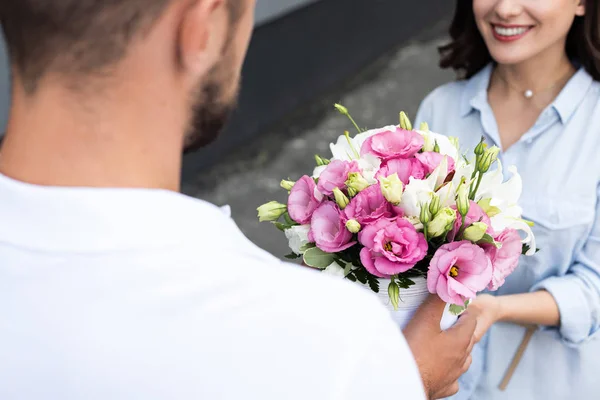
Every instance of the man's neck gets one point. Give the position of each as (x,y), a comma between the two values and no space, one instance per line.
(118,139)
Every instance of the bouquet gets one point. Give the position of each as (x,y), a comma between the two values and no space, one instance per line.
(406,208)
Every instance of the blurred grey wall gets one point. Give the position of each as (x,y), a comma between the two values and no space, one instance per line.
(266,10)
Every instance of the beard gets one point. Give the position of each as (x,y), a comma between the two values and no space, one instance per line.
(210,109)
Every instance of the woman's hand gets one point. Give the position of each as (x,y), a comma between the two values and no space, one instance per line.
(488,311)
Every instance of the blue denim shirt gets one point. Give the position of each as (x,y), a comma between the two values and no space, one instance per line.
(559,161)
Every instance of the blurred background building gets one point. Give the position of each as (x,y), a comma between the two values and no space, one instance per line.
(377,57)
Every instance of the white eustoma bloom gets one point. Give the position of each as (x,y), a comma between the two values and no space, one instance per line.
(447,148)
(369,164)
(421,191)
(335,270)
(318,171)
(297,237)
(505,195)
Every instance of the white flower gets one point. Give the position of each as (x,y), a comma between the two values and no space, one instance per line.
(446,146)
(297,237)
(506,221)
(416,193)
(334,270)
(318,171)
(502,194)
(369,165)
(421,191)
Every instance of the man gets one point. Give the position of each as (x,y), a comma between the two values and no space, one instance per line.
(113,285)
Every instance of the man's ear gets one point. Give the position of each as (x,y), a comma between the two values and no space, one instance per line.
(202,35)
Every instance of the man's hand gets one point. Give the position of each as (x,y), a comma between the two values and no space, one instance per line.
(442,357)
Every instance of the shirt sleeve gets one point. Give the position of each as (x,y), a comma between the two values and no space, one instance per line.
(425,111)
(578,292)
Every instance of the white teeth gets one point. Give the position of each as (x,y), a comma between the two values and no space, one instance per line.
(510,31)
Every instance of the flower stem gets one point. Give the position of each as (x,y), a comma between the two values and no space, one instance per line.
(354,123)
(474,192)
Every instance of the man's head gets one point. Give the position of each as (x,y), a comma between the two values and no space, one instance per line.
(194,50)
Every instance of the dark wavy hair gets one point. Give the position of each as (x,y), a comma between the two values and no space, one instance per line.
(467,53)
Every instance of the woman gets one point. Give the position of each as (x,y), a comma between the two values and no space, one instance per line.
(530,72)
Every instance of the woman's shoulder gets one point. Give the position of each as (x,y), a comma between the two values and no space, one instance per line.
(448,92)
(443,99)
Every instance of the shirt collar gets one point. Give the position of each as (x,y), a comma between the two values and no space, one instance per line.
(84,220)
(572,94)
(474,95)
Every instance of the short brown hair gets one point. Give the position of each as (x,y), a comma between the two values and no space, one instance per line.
(71,36)
(467,53)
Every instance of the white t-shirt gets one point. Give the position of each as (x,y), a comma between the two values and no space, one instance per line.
(148,294)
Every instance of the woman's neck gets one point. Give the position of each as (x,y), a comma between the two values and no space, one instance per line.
(536,74)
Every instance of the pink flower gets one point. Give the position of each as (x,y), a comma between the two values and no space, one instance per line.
(335,175)
(368,206)
(392,246)
(504,259)
(398,143)
(458,271)
(404,167)
(328,229)
(475,214)
(431,160)
(303,200)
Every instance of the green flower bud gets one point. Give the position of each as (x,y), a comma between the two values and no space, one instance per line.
(342,110)
(353,226)
(434,206)
(429,143)
(462,199)
(489,157)
(340,198)
(392,188)
(425,216)
(442,223)
(321,161)
(436,147)
(271,211)
(287,185)
(424,127)
(405,122)
(475,232)
(481,147)
(357,183)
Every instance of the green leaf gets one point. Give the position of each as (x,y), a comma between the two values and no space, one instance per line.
(280,226)
(394,293)
(351,277)
(404,283)
(373,283)
(526,248)
(361,276)
(456,310)
(289,221)
(490,240)
(293,256)
(307,246)
(347,268)
(317,258)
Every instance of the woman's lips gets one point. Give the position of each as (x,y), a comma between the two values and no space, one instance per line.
(510,33)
